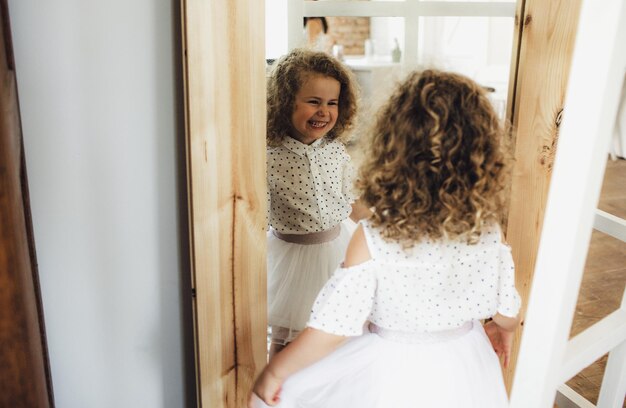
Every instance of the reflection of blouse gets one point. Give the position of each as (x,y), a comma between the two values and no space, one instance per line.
(432,286)
(309,186)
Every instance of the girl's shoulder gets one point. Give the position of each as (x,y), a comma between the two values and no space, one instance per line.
(334,143)
(491,238)
(491,234)
(272,149)
(374,240)
(336,147)
(274,152)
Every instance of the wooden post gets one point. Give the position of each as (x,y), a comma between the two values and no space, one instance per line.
(224,60)
(546,44)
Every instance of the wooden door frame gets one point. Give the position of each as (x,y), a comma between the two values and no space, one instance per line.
(25,379)
(224,81)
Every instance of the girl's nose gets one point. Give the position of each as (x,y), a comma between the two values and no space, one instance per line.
(322,111)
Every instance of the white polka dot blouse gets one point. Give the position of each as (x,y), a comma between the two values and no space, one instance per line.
(310,187)
(430,287)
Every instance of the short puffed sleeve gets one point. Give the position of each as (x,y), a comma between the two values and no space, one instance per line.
(348,182)
(509,301)
(269,162)
(344,303)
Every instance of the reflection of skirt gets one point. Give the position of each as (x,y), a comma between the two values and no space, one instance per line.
(371,371)
(295,275)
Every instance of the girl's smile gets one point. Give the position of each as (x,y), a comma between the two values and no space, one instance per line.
(316,108)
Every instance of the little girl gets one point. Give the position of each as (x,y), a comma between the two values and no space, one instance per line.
(423,270)
(311,102)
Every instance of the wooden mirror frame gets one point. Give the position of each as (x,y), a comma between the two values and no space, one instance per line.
(224,81)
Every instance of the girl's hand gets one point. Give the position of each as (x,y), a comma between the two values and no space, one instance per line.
(310,346)
(501,340)
(267,387)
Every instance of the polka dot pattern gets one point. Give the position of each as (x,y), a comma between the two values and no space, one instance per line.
(432,286)
(309,186)
(345,302)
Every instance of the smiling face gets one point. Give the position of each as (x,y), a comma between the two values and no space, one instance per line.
(316,108)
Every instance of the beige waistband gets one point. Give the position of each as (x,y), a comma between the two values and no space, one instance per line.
(311,238)
(423,337)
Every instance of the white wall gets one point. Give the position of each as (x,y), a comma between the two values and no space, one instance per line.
(97,89)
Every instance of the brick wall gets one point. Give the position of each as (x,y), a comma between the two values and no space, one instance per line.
(351,32)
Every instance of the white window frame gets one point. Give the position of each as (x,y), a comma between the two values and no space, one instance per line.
(410,10)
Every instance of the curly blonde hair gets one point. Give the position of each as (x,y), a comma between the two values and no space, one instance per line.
(436,165)
(289,74)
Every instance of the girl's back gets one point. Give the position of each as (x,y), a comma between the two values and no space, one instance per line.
(433,286)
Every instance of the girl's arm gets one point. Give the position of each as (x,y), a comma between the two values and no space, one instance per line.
(506,323)
(501,331)
(311,345)
(359,211)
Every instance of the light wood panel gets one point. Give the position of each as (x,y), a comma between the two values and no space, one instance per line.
(223,45)
(547,39)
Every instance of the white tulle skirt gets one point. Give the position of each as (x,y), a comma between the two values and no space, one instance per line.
(295,275)
(375,372)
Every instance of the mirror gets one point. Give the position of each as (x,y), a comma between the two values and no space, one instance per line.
(379,45)
(224,82)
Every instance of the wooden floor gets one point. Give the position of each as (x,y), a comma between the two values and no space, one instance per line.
(604,277)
